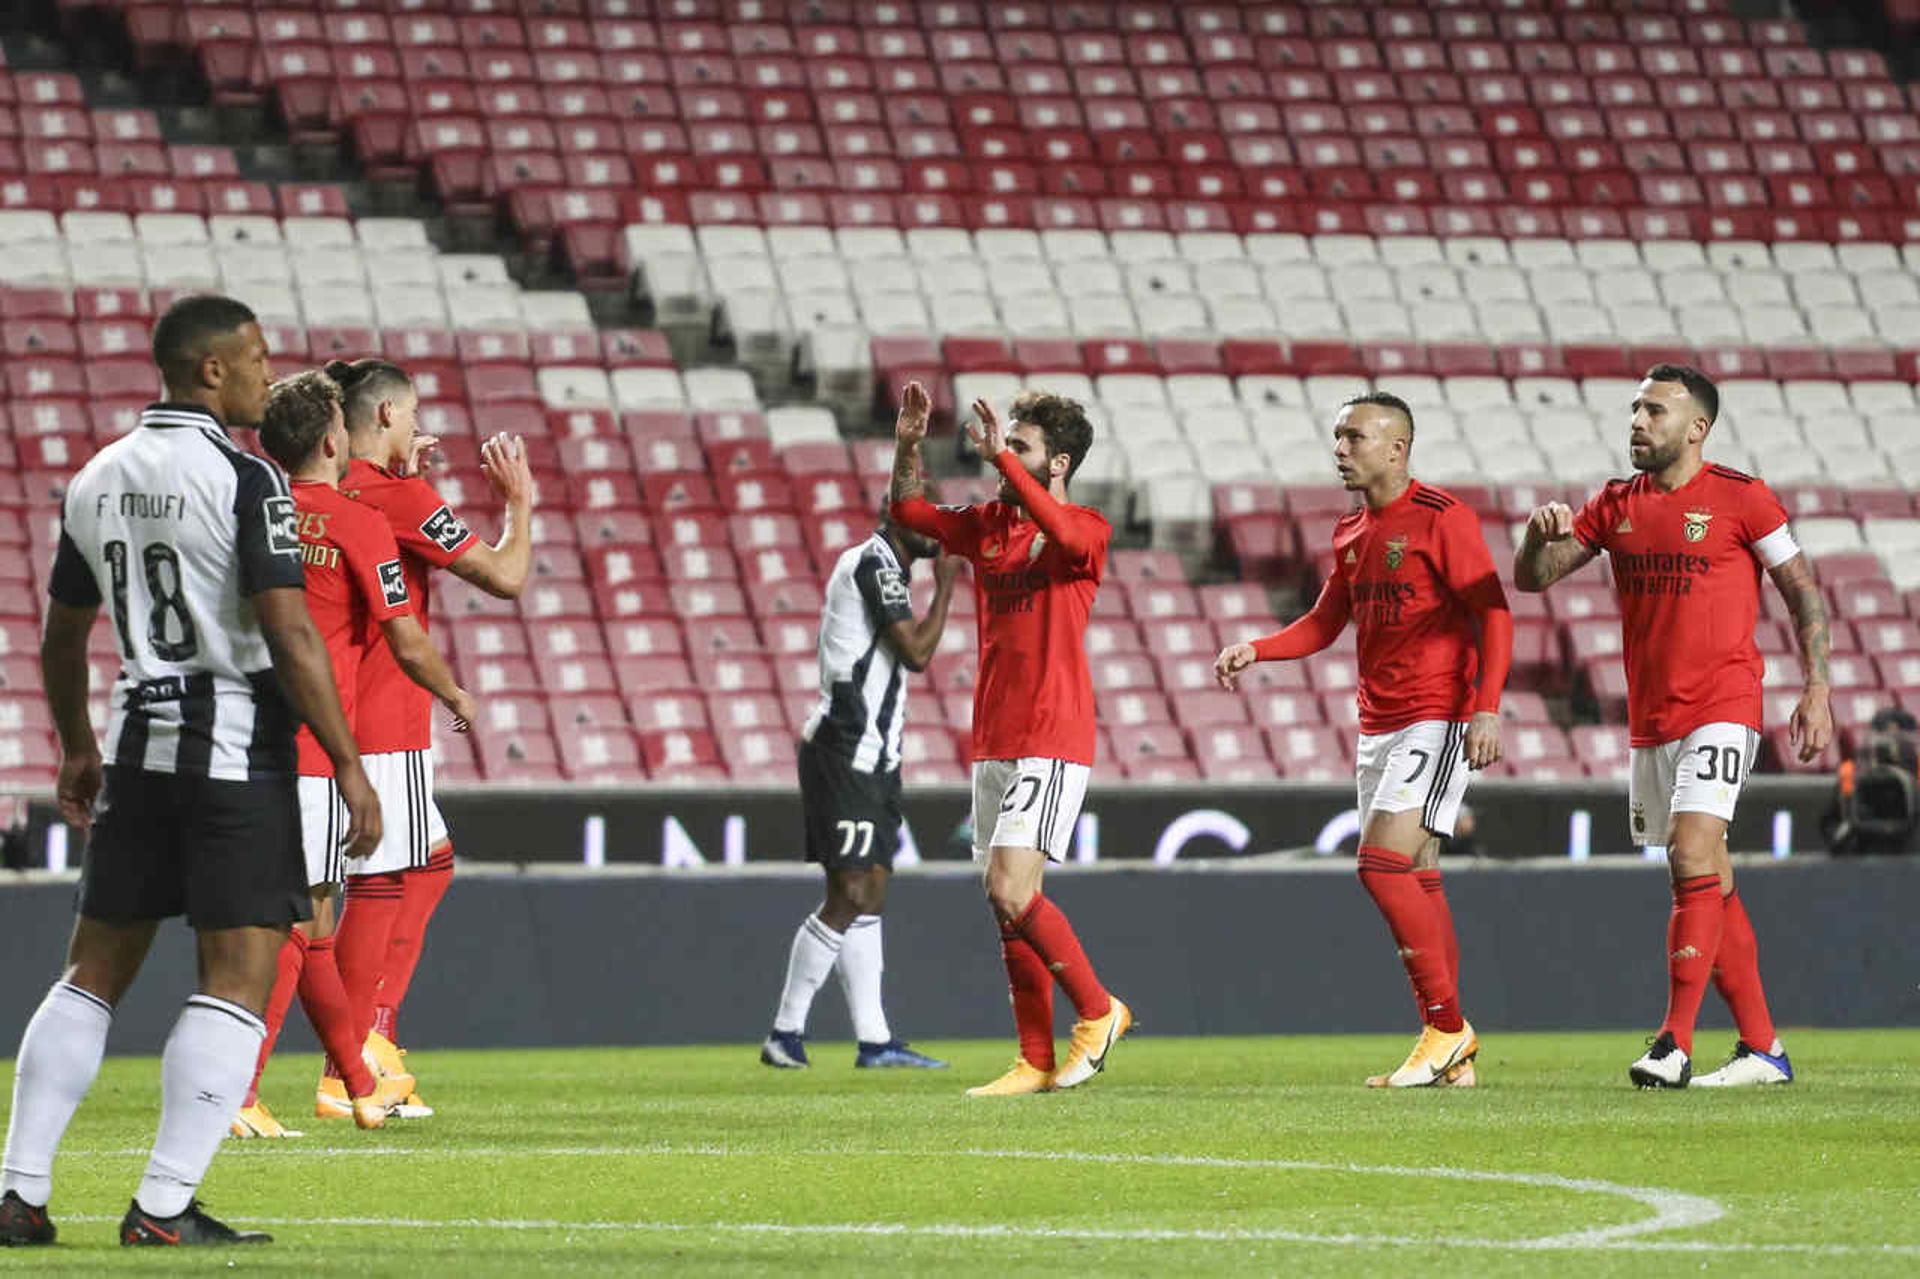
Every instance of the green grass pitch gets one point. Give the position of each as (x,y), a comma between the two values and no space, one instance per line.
(1188,1155)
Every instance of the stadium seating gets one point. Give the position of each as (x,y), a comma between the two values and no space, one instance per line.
(1209,222)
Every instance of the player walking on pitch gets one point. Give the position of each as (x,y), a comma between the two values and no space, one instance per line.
(357,594)
(850,785)
(1037,562)
(193,546)
(1412,571)
(392,896)
(1687,541)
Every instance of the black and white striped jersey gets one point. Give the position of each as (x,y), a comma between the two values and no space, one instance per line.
(174,529)
(863,695)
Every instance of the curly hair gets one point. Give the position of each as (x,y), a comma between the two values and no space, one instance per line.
(299,412)
(1062,422)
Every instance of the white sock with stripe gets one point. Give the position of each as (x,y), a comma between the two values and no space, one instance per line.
(815,947)
(204,1073)
(59,1056)
(860,966)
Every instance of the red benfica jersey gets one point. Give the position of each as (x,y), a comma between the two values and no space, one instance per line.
(1033,586)
(1689,586)
(354,583)
(430,536)
(1406,572)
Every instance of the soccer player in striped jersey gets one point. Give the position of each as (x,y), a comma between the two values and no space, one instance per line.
(193,547)
(392,896)
(357,594)
(1411,570)
(1688,541)
(1037,560)
(850,786)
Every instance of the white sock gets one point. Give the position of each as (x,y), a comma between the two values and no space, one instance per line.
(203,1078)
(59,1056)
(815,947)
(860,966)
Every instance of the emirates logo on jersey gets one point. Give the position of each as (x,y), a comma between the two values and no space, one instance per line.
(1396,553)
(1695,527)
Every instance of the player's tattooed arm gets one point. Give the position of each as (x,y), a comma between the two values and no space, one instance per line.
(1549,551)
(1802,593)
(1811,727)
(909,428)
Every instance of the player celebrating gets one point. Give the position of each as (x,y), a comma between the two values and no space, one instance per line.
(1687,540)
(354,584)
(850,785)
(391,898)
(1037,562)
(1411,569)
(192,545)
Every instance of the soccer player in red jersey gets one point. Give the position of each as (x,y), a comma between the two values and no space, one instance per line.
(1411,570)
(395,892)
(1037,561)
(1687,540)
(357,594)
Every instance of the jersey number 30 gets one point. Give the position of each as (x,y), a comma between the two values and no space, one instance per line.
(170,628)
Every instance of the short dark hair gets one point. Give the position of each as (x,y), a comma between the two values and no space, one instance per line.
(181,338)
(1384,400)
(364,383)
(1698,385)
(299,412)
(1063,425)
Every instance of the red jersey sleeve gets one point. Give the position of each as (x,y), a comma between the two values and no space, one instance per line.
(956,528)
(1761,512)
(1078,535)
(373,566)
(1595,521)
(425,525)
(1309,634)
(1467,567)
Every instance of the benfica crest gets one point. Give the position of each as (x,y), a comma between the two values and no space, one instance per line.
(1696,525)
(1396,552)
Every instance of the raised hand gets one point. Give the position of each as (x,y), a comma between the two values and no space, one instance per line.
(503,459)
(1551,523)
(420,454)
(910,426)
(989,436)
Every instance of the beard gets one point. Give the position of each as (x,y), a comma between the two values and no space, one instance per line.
(1009,494)
(1655,458)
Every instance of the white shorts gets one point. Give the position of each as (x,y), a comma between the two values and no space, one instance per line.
(1700,773)
(411,825)
(323,830)
(1423,766)
(1027,803)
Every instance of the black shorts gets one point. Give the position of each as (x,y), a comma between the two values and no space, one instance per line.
(853,818)
(224,854)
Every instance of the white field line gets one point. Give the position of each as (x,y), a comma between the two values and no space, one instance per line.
(1671,1209)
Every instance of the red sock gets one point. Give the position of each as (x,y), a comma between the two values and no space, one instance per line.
(1437,894)
(420,894)
(293,956)
(325,999)
(360,946)
(1415,924)
(1736,975)
(1046,929)
(1693,941)
(1032,989)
